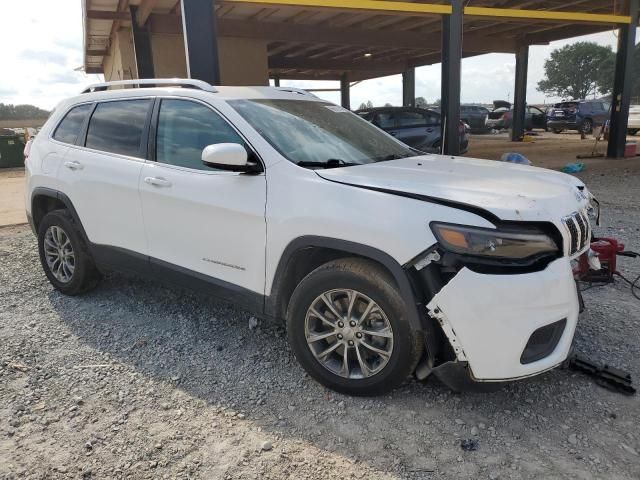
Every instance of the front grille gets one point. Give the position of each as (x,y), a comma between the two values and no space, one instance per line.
(577,226)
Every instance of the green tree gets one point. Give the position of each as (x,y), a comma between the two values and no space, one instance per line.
(577,71)
(421,102)
(607,72)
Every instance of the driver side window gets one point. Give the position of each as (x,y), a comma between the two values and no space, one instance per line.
(185,128)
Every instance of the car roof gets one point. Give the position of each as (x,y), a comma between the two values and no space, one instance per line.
(221,93)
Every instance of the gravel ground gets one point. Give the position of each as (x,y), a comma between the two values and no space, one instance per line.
(137,381)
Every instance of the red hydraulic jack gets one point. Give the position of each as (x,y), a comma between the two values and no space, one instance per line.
(606,250)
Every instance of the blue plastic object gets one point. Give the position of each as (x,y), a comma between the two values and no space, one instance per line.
(573,167)
(513,157)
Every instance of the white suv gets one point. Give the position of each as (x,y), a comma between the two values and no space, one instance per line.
(383,261)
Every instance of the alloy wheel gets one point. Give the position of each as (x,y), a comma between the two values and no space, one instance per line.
(349,334)
(59,254)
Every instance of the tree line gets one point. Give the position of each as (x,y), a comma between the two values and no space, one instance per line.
(21,112)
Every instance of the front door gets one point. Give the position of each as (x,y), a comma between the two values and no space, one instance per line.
(202,222)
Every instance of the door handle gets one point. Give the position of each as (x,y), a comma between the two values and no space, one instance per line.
(73,165)
(157,182)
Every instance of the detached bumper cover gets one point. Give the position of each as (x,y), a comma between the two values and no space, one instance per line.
(489,319)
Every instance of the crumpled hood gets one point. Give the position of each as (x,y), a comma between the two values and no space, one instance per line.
(509,191)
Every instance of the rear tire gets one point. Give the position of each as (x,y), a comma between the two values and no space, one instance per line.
(633,131)
(64,256)
(557,130)
(587,126)
(352,308)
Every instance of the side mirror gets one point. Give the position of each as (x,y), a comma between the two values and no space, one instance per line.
(228,156)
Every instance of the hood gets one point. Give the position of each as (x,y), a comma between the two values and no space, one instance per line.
(506,190)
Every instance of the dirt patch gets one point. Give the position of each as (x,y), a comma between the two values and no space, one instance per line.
(550,150)
(12,210)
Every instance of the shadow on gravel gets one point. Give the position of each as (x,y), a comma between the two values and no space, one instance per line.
(208,350)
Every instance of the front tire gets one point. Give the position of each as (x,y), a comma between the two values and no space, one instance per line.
(347,325)
(64,256)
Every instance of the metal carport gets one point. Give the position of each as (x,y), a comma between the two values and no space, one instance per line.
(353,40)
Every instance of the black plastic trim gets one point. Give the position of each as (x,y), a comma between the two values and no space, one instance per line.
(537,351)
(310,241)
(49,192)
(110,258)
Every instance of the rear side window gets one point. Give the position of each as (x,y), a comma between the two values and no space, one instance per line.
(117,127)
(185,128)
(410,119)
(384,120)
(69,128)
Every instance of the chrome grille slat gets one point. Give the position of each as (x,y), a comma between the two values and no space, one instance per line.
(579,230)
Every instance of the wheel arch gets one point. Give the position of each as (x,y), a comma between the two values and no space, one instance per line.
(305,254)
(45,200)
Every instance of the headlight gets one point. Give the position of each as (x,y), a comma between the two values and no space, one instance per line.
(486,242)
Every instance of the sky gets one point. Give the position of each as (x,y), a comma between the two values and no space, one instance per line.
(42,51)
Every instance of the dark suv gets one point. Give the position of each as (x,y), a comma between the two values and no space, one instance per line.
(580,115)
(417,127)
(475,116)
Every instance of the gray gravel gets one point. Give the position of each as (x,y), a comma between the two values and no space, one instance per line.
(138,381)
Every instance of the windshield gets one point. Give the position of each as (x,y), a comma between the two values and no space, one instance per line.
(319,134)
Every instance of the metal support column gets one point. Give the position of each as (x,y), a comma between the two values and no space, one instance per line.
(451,65)
(621,96)
(201,40)
(142,47)
(409,88)
(345,93)
(520,97)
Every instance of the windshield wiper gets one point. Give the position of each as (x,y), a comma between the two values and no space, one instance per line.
(395,156)
(331,163)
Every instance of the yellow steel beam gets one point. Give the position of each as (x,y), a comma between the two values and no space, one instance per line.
(546,15)
(377,6)
(407,8)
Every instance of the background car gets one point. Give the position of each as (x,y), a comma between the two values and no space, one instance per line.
(580,115)
(634,120)
(417,127)
(501,117)
(475,116)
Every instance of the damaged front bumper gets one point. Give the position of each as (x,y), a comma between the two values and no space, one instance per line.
(504,327)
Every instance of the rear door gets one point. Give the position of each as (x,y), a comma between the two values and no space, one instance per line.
(100,174)
(202,222)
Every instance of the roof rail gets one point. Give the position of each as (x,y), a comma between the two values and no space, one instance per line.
(152,82)
(301,91)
